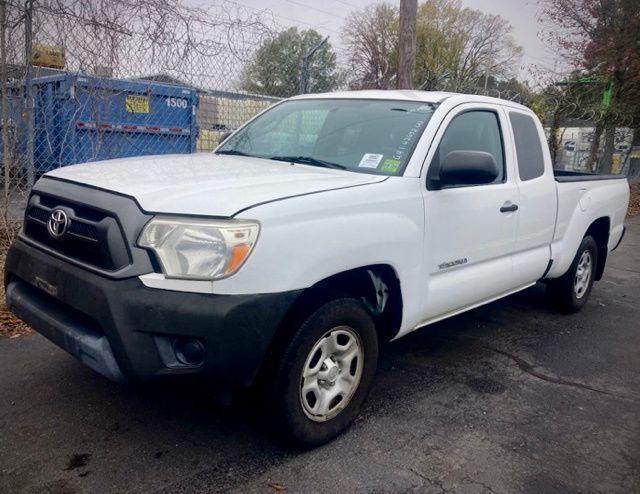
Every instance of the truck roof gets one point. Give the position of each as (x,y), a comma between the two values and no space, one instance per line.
(411,95)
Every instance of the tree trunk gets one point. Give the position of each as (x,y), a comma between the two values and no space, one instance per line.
(407,44)
(553,138)
(606,162)
(595,145)
(634,163)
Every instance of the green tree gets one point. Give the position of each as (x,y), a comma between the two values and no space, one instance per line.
(440,43)
(275,67)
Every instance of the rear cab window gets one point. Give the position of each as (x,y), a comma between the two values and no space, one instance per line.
(528,147)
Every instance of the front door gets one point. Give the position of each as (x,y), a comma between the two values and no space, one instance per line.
(470,229)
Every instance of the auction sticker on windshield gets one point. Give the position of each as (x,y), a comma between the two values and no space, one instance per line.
(370,160)
(390,166)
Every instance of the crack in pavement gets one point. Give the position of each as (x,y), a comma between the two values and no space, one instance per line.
(431,482)
(487,487)
(531,370)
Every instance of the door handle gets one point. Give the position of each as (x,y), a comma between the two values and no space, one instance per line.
(508,208)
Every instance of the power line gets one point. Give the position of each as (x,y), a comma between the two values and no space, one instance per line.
(296,21)
(314,8)
(348,4)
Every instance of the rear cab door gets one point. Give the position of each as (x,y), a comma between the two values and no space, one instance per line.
(469,236)
(538,204)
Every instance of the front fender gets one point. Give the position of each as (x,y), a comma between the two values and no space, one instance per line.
(306,239)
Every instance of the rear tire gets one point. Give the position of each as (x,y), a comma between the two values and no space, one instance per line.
(571,291)
(323,374)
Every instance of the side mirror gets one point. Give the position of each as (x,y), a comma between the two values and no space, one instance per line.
(467,168)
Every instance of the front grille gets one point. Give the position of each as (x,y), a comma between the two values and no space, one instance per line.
(38,214)
(93,237)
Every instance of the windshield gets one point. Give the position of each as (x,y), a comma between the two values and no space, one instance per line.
(368,136)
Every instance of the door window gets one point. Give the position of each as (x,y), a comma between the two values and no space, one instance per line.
(476,130)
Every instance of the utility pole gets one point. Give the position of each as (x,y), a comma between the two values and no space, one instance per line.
(304,70)
(407,44)
(28,87)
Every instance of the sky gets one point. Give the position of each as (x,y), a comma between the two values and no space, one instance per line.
(327,17)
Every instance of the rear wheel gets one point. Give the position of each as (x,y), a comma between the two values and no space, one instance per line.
(571,291)
(323,374)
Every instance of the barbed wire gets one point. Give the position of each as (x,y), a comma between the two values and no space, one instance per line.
(153,77)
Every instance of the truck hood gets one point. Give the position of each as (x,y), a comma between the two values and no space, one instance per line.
(207,184)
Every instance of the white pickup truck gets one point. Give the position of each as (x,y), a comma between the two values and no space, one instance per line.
(323,227)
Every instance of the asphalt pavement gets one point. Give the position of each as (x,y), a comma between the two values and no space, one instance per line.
(510,397)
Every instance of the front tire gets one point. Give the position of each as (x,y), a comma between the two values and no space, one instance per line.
(571,291)
(323,374)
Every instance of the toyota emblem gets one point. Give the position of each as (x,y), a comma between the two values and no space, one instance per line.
(58,223)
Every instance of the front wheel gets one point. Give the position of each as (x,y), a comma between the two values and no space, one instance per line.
(571,291)
(324,373)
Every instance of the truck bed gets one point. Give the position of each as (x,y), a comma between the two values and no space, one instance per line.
(584,198)
(576,176)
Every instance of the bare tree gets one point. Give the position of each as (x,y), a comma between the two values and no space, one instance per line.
(164,36)
(600,38)
(456,47)
(371,39)
(489,48)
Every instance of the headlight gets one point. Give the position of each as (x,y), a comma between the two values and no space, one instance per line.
(199,248)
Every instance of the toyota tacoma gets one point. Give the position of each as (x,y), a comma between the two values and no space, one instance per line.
(320,229)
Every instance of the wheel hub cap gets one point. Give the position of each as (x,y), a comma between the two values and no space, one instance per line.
(331,373)
(583,274)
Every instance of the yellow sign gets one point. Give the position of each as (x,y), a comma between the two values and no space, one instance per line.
(615,166)
(48,56)
(137,104)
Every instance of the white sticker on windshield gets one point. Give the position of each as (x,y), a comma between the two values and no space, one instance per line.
(370,160)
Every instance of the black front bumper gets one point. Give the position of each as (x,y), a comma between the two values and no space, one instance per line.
(125,330)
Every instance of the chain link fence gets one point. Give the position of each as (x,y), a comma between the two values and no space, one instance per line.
(91,80)
(587,132)
(86,81)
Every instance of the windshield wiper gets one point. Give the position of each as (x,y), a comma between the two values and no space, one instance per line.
(233,152)
(308,160)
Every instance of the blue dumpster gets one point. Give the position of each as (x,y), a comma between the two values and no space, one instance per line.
(81,118)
